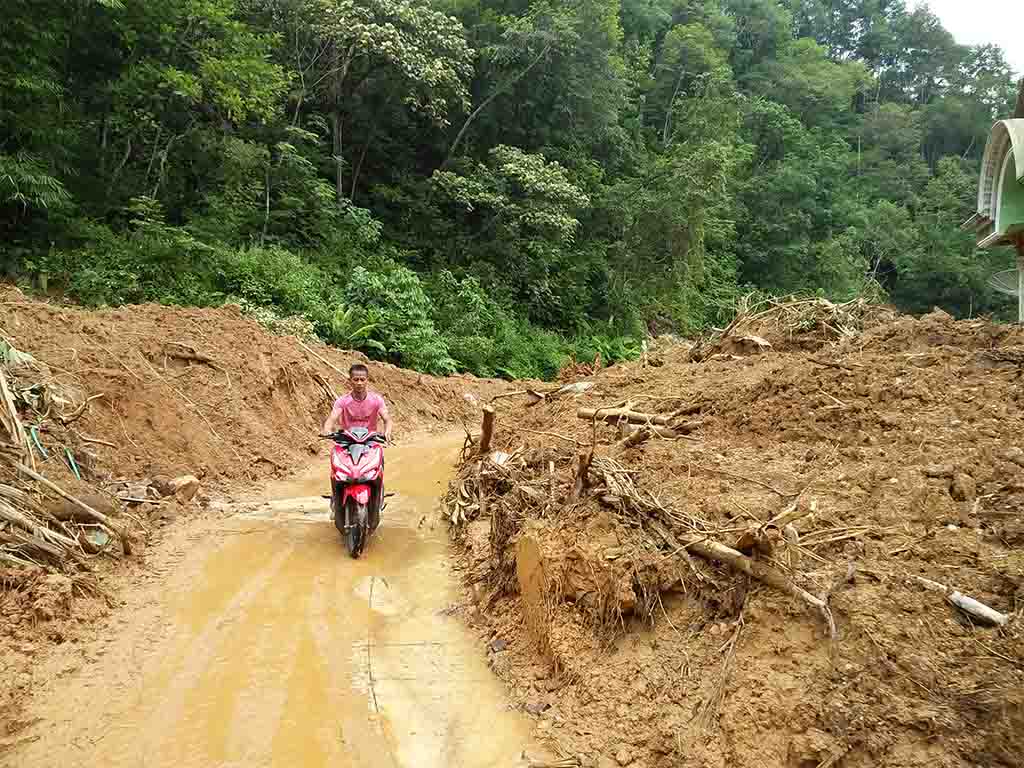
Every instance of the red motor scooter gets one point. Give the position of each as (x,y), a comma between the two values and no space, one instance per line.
(357,485)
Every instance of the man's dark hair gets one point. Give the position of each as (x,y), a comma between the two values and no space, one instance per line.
(357,367)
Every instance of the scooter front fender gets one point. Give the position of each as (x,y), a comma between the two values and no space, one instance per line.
(360,493)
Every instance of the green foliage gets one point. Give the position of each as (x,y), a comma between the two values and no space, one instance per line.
(486,186)
(27,183)
(397,307)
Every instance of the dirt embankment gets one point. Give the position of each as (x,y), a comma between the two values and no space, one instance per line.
(131,399)
(854,459)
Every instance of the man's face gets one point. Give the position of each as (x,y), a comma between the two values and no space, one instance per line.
(357,379)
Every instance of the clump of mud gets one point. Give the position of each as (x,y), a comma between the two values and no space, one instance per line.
(860,468)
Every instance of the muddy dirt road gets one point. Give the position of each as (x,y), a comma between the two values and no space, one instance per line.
(255,641)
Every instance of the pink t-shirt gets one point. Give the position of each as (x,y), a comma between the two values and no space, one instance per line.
(359,413)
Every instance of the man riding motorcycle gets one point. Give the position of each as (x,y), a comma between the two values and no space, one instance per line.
(360,408)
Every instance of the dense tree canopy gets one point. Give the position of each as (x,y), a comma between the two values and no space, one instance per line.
(493,185)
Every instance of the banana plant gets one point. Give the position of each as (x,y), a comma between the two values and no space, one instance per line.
(349,328)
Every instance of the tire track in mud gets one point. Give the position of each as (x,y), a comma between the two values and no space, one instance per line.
(265,645)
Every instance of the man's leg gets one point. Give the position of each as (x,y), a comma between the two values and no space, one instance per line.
(376,498)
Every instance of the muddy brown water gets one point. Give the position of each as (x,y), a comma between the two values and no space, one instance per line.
(261,643)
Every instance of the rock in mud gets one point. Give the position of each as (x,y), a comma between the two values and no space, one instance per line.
(184,487)
(963,488)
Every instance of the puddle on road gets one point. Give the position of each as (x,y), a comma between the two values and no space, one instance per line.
(280,650)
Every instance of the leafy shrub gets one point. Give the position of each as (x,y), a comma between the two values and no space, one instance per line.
(392,298)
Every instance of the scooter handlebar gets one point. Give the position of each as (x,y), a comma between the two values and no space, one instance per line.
(341,437)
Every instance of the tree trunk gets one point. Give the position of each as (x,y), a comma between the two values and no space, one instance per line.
(340,62)
(483,105)
(339,159)
(671,105)
(359,165)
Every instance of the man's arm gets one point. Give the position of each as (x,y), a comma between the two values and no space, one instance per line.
(385,416)
(331,425)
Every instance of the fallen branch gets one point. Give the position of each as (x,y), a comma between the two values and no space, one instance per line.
(745,478)
(96,441)
(535,397)
(626,428)
(966,604)
(190,353)
(99,517)
(710,549)
(328,391)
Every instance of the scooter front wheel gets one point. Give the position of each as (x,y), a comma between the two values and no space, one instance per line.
(355,535)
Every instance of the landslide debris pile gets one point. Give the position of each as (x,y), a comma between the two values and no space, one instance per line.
(804,551)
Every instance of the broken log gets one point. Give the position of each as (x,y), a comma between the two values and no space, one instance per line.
(614,415)
(633,436)
(710,549)
(488,430)
(626,429)
(99,517)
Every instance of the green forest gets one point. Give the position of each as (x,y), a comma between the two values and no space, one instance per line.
(493,186)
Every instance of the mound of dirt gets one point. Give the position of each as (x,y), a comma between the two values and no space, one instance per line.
(844,480)
(205,391)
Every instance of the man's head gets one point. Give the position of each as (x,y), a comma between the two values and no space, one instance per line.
(358,375)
